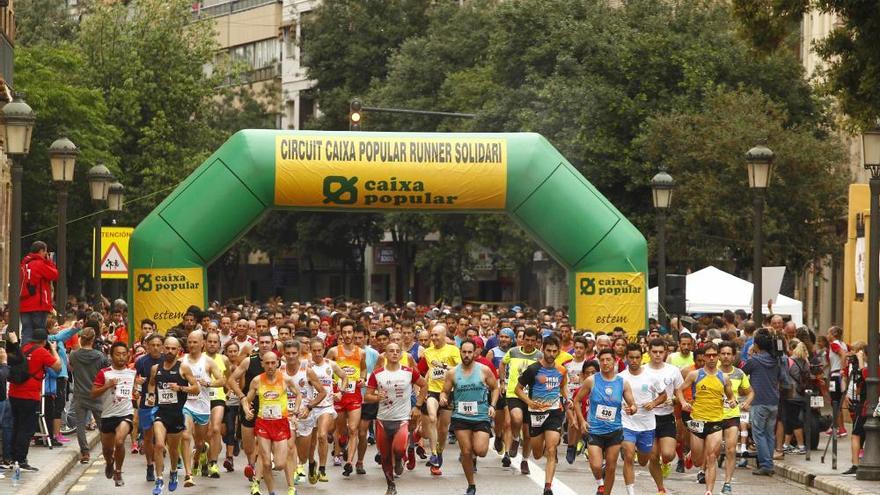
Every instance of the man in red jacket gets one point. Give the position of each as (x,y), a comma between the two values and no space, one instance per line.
(37,274)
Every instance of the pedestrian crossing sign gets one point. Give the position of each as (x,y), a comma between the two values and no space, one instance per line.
(114,252)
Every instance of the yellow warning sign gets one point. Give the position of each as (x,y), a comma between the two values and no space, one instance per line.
(164,294)
(605,300)
(381,172)
(114,252)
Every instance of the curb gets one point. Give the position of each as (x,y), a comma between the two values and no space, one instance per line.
(832,485)
(51,477)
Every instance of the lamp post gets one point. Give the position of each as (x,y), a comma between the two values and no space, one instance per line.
(62,156)
(661,188)
(115,198)
(99,188)
(18,119)
(869,468)
(760,164)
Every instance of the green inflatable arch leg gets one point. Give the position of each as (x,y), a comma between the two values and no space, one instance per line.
(520,174)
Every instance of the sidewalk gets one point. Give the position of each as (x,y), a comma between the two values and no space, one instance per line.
(818,475)
(53,464)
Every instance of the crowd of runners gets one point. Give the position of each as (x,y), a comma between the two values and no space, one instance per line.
(285,393)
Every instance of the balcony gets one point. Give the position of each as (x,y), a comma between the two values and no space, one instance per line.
(5,60)
(226,8)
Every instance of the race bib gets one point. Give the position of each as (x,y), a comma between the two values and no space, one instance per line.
(291,404)
(605,413)
(744,417)
(817,401)
(167,396)
(468,408)
(123,391)
(212,393)
(832,384)
(350,387)
(271,412)
(438,373)
(696,426)
(538,419)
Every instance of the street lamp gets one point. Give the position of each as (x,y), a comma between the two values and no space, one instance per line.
(115,196)
(99,188)
(869,468)
(18,120)
(62,156)
(760,165)
(661,188)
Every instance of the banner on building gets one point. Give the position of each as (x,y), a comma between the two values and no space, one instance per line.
(164,294)
(431,173)
(605,300)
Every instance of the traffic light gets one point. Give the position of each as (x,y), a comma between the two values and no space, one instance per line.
(355,116)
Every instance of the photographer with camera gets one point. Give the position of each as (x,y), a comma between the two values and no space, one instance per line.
(765,374)
(37,274)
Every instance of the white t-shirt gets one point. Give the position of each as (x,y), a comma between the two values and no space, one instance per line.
(117,400)
(398,387)
(645,388)
(573,370)
(670,377)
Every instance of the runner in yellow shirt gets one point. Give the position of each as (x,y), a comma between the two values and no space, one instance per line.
(437,359)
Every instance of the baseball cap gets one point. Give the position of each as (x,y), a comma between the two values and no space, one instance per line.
(589,336)
(368,309)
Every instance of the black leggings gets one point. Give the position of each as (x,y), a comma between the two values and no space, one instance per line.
(230,420)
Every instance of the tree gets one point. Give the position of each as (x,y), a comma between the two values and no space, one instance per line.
(45,21)
(850,54)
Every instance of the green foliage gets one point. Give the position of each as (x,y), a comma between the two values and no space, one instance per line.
(850,52)
(45,21)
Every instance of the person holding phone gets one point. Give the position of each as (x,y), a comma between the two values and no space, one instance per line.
(37,274)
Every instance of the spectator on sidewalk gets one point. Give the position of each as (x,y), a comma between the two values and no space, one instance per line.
(84,366)
(55,405)
(765,374)
(25,397)
(37,274)
(5,413)
(856,400)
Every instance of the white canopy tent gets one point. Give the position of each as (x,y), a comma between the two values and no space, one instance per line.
(711,290)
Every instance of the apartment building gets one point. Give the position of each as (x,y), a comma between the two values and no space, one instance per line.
(7,42)
(298,102)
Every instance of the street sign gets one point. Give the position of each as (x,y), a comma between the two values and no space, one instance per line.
(114,252)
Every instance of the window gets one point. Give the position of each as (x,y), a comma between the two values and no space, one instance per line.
(304,20)
(257,55)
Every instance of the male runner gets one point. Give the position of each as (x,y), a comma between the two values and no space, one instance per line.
(170,382)
(436,360)
(312,392)
(368,411)
(739,382)
(272,424)
(639,428)
(547,391)
(391,387)
(682,359)
(197,411)
(475,392)
(514,363)
(143,366)
(217,395)
(495,355)
(710,387)
(249,368)
(324,412)
(242,338)
(574,368)
(607,392)
(352,360)
(665,433)
(117,413)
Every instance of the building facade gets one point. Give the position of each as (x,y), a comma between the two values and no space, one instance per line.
(299,104)
(7,43)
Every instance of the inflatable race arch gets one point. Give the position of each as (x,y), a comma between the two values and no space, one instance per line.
(519,174)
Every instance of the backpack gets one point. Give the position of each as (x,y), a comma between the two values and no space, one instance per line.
(18,366)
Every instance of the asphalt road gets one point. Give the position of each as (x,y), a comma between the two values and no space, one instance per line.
(492,478)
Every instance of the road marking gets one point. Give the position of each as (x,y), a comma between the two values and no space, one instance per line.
(77,488)
(86,479)
(536,474)
(93,470)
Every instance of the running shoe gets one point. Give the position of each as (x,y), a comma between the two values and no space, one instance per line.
(435,470)
(726,489)
(62,439)
(433,461)
(229,465)
(398,466)
(151,473)
(600,490)
(84,458)
(214,471)
(548,491)
(742,463)
(665,469)
(108,468)
(378,458)
(157,490)
(499,446)
(291,490)
(505,461)
(679,467)
(420,451)
(524,467)
(313,473)
(359,468)
(347,469)
(322,476)
(197,470)
(301,471)
(701,477)
(392,490)
(172,481)
(852,470)
(337,460)
(134,449)
(188,481)
(514,448)
(410,458)
(841,432)
(117,479)
(255,487)
(570,454)
(249,472)
(471,490)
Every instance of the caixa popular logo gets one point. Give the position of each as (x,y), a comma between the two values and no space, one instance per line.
(151,282)
(607,286)
(382,192)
